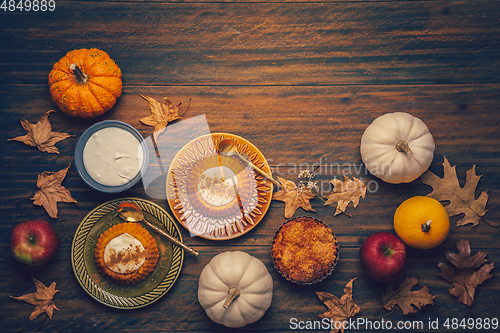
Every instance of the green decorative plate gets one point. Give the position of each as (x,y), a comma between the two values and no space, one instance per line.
(157,283)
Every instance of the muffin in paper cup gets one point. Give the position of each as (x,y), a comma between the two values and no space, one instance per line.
(304,250)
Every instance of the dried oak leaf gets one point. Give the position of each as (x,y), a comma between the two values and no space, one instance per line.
(294,197)
(42,299)
(405,298)
(339,310)
(469,274)
(344,192)
(462,200)
(51,191)
(40,135)
(161,114)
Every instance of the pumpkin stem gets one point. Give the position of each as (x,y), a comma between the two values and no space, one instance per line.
(232,294)
(402,146)
(81,77)
(426,226)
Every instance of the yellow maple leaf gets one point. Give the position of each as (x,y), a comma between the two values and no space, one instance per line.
(161,114)
(344,192)
(294,197)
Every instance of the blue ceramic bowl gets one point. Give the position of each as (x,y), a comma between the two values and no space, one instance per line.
(80,166)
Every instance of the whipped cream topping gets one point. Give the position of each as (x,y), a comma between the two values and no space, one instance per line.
(124,254)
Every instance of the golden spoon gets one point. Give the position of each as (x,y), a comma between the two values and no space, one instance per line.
(132,213)
(228,147)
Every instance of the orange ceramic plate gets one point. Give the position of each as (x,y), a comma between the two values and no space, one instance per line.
(218,197)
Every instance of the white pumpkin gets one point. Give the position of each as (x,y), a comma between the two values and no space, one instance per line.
(235,289)
(397,147)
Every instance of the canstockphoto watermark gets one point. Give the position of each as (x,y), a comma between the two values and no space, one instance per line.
(363,324)
(356,324)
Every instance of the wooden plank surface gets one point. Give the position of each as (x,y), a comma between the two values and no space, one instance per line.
(274,44)
(301,81)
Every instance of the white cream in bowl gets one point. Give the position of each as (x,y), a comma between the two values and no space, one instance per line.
(112,156)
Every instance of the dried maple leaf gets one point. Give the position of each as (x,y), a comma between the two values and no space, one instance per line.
(405,298)
(42,299)
(339,310)
(51,191)
(344,192)
(294,197)
(469,274)
(462,200)
(161,114)
(40,135)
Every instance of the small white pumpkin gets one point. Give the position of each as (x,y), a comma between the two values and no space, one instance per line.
(235,289)
(397,147)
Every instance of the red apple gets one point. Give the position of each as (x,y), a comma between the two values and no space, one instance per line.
(383,256)
(34,242)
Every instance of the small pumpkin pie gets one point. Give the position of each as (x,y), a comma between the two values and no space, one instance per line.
(126,253)
(304,250)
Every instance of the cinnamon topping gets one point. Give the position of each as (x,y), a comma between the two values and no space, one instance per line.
(124,254)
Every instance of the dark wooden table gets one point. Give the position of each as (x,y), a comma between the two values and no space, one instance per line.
(301,81)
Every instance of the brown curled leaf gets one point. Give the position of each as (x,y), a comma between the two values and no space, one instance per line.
(471,271)
(462,199)
(339,310)
(405,298)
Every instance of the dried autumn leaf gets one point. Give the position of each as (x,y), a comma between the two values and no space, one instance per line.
(42,299)
(469,274)
(161,114)
(51,191)
(40,135)
(294,197)
(462,200)
(344,192)
(339,310)
(405,298)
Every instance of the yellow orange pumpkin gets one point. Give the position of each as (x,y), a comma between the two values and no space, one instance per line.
(421,222)
(85,83)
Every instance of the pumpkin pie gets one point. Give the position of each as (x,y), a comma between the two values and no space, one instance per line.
(126,253)
(304,250)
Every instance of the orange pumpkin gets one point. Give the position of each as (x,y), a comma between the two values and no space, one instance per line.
(85,83)
(422,222)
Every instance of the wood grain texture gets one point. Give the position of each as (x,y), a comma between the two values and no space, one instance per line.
(300,80)
(329,120)
(274,44)
(180,311)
